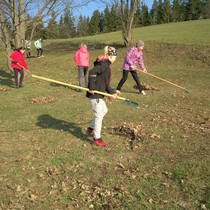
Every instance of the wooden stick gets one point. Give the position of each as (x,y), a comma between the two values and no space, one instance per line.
(75,86)
(163,80)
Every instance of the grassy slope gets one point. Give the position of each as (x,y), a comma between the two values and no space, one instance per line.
(48,163)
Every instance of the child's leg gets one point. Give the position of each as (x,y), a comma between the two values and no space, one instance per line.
(41,51)
(21,77)
(37,52)
(16,77)
(137,80)
(86,76)
(123,80)
(100,109)
(80,75)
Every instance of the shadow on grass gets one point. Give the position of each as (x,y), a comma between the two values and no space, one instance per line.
(69,46)
(6,78)
(47,121)
(206,199)
(64,86)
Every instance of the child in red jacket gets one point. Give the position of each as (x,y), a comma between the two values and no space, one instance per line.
(18,63)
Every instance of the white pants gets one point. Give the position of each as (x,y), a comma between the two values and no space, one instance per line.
(100,109)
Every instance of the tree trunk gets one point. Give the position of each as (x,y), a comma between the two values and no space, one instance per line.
(22,23)
(128,9)
(6,39)
(18,17)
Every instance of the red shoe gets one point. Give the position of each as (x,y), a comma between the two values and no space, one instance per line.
(90,131)
(99,142)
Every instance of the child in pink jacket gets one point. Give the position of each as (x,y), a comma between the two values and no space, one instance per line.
(82,60)
(133,57)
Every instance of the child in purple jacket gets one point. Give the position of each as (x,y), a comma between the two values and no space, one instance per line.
(133,56)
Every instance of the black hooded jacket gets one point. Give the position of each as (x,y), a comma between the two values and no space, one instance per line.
(99,78)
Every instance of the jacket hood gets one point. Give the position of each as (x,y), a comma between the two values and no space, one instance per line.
(101,61)
(83,49)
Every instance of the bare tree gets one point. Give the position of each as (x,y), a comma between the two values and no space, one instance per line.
(14,21)
(127,11)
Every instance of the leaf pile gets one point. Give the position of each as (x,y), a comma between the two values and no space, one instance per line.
(4,89)
(42,100)
(147,87)
(130,130)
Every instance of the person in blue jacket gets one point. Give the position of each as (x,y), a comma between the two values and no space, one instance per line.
(38,45)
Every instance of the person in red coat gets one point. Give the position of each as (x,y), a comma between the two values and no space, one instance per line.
(18,64)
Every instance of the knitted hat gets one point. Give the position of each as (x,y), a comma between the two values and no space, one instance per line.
(140,44)
(112,52)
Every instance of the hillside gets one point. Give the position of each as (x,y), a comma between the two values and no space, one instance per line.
(47,161)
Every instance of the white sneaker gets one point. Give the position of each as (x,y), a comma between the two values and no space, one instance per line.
(142,92)
(118,92)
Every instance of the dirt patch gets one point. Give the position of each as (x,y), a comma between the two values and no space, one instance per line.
(42,100)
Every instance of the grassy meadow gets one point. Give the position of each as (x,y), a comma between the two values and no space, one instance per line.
(47,161)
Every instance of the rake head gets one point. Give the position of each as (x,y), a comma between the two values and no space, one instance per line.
(131,103)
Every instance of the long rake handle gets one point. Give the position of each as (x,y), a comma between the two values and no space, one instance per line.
(163,80)
(75,86)
(69,85)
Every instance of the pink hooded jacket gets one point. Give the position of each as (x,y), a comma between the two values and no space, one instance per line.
(82,57)
(133,57)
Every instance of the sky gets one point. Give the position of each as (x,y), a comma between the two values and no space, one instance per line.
(88,10)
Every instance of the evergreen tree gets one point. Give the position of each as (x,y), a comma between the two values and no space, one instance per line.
(52,29)
(67,24)
(61,27)
(194,8)
(160,12)
(176,16)
(114,21)
(83,26)
(40,31)
(166,11)
(95,22)
(144,18)
(87,26)
(205,13)
(154,13)
(80,26)
(106,19)
(61,20)
(102,22)
(137,17)
(183,10)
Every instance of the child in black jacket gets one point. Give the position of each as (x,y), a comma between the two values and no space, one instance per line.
(99,79)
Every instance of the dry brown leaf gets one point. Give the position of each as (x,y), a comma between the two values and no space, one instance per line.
(32,197)
(63,186)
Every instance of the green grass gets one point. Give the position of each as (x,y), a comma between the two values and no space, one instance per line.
(47,162)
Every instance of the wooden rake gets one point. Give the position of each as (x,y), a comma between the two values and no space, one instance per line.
(125,100)
(163,80)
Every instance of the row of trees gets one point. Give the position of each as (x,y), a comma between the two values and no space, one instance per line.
(26,19)
(16,23)
(162,11)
